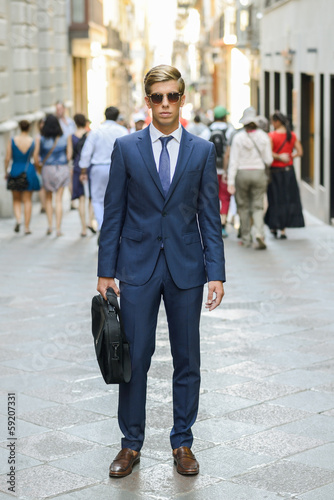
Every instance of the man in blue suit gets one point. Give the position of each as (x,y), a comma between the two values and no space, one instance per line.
(161,237)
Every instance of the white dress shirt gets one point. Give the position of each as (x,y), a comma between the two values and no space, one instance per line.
(100,143)
(173,146)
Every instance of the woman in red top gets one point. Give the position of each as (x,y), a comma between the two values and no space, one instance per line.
(284,206)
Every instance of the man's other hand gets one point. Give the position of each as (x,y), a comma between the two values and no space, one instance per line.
(215,294)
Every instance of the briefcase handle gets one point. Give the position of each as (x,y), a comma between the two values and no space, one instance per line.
(112,300)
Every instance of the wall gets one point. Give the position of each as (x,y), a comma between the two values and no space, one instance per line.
(34,67)
(297,37)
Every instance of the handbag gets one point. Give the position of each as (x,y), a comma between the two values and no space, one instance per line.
(20,182)
(111,346)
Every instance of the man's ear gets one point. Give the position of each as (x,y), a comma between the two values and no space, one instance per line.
(148,102)
(183,100)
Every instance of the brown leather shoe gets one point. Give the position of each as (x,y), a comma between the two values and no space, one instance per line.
(185,461)
(123,463)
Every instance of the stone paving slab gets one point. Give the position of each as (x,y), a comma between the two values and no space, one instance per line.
(315,426)
(52,445)
(312,401)
(23,462)
(95,463)
(221,430)
(100,492)
(224,462)
(171,484)
(23,428)
(275,443)
(268,415)
(259,390)
(301,378)
(266,406)
(317,457)
(251,369)
(218,404)
(103,405)
(323,493)
(25,403)
(229,491)
(61,416)
(43,481)
(287,477)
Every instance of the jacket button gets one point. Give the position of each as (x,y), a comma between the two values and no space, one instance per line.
(159,238)
(164,214)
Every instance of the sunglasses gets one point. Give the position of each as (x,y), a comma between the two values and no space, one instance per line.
(173,97)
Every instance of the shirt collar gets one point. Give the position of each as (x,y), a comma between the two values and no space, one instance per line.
(156,134)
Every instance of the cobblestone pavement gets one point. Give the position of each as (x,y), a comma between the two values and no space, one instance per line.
(265,428)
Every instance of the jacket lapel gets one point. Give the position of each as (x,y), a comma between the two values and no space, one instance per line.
(186,147)
(144,144)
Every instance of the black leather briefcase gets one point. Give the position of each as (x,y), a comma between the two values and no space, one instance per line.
(111,346)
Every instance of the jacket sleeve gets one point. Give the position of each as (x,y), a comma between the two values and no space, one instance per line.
(267,154)
(209,221)
(233,162)
(114,214)
(87,151)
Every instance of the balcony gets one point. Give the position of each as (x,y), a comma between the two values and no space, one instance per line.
(274,3)
(86,16)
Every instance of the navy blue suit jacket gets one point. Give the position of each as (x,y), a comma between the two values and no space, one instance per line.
(138,218)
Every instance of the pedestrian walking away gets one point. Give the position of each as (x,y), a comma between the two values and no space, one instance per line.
(66,122)
(20,150)
(53,152)
(161,241)
(197,127)
(78,188)
(247,178)
(284,205)
(221,133)
(96,154)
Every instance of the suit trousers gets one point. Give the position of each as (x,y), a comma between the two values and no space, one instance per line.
(140,307)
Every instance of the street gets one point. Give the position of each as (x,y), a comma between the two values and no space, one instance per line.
(265,428)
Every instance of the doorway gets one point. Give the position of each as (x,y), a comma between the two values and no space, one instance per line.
(307,128)
(332,151)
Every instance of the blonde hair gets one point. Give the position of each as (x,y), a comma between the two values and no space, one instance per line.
(163,73)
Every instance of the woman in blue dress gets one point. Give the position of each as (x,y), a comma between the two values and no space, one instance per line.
(20,149)
(54,150)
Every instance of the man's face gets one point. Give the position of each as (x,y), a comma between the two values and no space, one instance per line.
(165,116)
(60,110)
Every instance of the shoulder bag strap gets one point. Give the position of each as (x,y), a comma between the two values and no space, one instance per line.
(281,146)
(257,149)
(50,152)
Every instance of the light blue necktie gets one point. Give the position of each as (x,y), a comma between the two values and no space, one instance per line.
(164,164)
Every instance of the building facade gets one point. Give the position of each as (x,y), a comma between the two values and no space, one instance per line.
(298,78)
(89,54)
(34,68)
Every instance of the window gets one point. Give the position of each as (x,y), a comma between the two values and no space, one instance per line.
(78,11)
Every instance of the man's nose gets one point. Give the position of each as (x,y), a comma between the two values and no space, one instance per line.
(165,101)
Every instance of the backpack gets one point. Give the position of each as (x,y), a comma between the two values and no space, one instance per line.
(79,145)
(218,137)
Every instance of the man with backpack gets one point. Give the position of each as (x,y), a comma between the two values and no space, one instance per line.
(221,135)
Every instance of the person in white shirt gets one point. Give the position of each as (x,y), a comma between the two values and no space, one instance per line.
(67,124)
(247,178)
(96,154)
